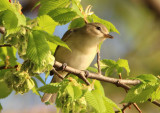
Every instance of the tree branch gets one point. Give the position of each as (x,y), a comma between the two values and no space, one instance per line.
(2,30)
(5,45)
(118,82)
(98,61)
(6,67)
(96,76)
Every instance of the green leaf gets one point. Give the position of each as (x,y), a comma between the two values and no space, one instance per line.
(76,6)
(10,21)
(1,107)
(139,93)
(4,4)
(34,89)
(48,5)
(40,79)
(100,101)
(108,62)
(110,105)
(5,91)
(92,69)
(52,47)
(46,23)
(57,41)
(92,101)
(122,63)
(38,49)
(109,70)
(147,78)
(76,23)
(2,73)
(98,87)
(12,31)
(21,19)
(70,91)
(156,94)
(50,88)
(62,15)
(77,92)
(8,54)
(109,25)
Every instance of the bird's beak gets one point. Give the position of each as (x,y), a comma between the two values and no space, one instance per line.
(108,36)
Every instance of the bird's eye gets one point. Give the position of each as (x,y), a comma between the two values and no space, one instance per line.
(98,28)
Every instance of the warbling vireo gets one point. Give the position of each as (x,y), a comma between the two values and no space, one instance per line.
(84,43)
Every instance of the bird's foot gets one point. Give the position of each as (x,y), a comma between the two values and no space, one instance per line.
(86,73)
(64,65)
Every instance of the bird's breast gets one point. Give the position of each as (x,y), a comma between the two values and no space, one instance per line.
(79,57)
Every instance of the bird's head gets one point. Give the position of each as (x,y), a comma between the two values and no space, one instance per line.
(97,30)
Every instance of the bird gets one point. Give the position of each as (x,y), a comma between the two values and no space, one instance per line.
(84,43)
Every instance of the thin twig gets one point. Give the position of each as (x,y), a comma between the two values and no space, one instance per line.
(154,102)
(124,108)
(136,106)
(5,45)
(2,30)
(6,67)
(60,76)
(98,61)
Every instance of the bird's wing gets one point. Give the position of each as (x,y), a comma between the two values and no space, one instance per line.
(67,34)
(65,37)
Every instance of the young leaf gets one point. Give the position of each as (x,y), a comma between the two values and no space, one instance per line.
(62,15)
(70,91)
(148,78)
(34,89)
(76,6)
(76,23)
(77,92)
(38,48)
(52,47)
(109,25)
(156,94)
(57,41)
(46,23)
(1,107)
(100,101)
(110,105)
(91,101)
(99,88)
(47,6)
(122,63)
(108,62)
(40,79)
(4,4)
(8,54)
(139,93)
(92,69)
(50,88)
(5,91)
(10,21)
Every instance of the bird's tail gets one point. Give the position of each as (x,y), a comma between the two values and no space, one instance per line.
(48,97)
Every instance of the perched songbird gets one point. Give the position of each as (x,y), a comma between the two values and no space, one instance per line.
(84,43)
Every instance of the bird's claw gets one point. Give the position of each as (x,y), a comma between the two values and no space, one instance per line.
(64,65)
(86,73)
